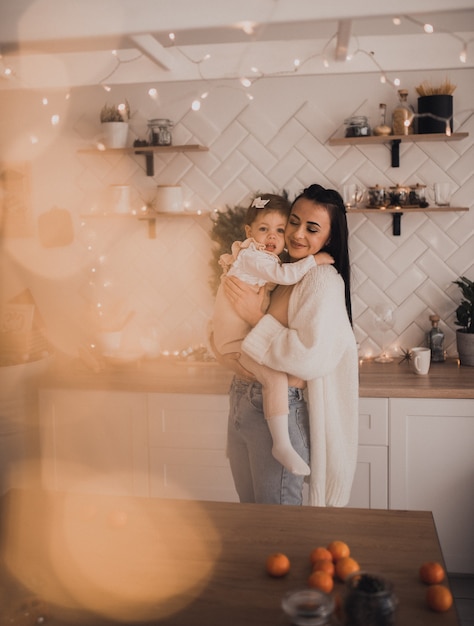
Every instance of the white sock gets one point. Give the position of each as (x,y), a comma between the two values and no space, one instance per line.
(282,449)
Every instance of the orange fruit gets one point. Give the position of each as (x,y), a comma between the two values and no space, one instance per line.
(338,549)
(432,573)
(277,564)
(324,565)
(322,581)
(346,566)
(320,553)
(439,598)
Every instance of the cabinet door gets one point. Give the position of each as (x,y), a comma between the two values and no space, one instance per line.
(94,441)
(432,468)
(187,439)
(370,488)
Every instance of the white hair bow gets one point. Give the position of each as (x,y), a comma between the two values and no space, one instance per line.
(258,203)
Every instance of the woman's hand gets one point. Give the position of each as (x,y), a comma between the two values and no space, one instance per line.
(231,361)
(247,303)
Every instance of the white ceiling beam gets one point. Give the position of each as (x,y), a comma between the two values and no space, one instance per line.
(343,38)
(150,47)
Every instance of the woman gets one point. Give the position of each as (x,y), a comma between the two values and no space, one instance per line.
(307,333)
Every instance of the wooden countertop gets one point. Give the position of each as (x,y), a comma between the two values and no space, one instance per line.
(181,563)
(166,375)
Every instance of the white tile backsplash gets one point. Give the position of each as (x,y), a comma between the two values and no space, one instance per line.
(278,140)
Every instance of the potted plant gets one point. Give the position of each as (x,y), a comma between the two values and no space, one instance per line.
(114,119)
(465,319)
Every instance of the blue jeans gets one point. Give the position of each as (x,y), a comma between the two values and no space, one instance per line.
(258,477)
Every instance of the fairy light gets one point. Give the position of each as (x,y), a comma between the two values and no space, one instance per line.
(172,37)
(44,101)
(196,105)
(296,63)
(397,21)
(245,82)
(55,119)
(428,28)
(463,54)
(153,93)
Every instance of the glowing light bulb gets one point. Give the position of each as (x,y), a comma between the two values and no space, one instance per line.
(245,82)
(55,119)
(107,88)
(7,71)
(254,70)
(396,82)
(383,79)
(44,101)
(153,93)
(428,28)
(325,62)
(296,62)
(171,36)
(204,95)
(196,105)
(249,96)
(463,54)
(397,21)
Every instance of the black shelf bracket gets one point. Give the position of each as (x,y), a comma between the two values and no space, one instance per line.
(149,161)
(396,152)
(396,224)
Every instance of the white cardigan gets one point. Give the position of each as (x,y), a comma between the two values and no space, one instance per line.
(319,346)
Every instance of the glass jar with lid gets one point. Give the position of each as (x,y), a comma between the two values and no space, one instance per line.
(357,126)
(160,131)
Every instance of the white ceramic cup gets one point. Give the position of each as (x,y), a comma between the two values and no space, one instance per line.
(420,360)
(442,194)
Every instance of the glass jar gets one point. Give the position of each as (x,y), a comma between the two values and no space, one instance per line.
(357,126)
(308,607)
(403,115)
(160,132)
(369,601)
(418,196)
(399,195)
(377,197)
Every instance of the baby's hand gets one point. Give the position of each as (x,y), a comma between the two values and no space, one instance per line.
(323,258)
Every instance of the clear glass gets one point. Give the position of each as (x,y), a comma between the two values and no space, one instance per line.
(308,607)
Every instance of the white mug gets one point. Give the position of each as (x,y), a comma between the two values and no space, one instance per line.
(420,360)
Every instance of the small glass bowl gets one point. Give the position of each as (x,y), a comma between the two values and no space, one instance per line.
(308,607)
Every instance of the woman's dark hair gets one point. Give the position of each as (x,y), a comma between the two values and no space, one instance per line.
(337,246)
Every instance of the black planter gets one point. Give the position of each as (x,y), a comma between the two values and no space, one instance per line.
(439,105)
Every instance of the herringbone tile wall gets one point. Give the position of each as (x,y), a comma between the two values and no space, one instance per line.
(276,141)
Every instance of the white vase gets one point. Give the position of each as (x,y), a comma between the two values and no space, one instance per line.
(115,134)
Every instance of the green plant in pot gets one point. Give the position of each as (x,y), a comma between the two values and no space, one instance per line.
(465,319)
(114,120)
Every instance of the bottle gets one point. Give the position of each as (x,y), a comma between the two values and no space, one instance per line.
(382,128)
(403,116)
(436,340)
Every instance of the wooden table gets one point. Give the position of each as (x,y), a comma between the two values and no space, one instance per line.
(203,560)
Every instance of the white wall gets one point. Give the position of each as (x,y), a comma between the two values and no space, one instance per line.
(278,140)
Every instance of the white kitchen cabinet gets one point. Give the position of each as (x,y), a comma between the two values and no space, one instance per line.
(94,441)
(187,440)
(432,468)
(370,488)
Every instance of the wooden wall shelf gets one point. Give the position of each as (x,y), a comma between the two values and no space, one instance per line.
(149,151)
(397,213)
(395,141)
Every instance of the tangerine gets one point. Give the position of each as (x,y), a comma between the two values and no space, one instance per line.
(322,581)
(277,564)
(346,566)
(320,553)
(432,573)
(439,598)
(338,550)
(324,565)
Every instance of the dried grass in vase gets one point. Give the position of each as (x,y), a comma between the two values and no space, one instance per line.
(446,88)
